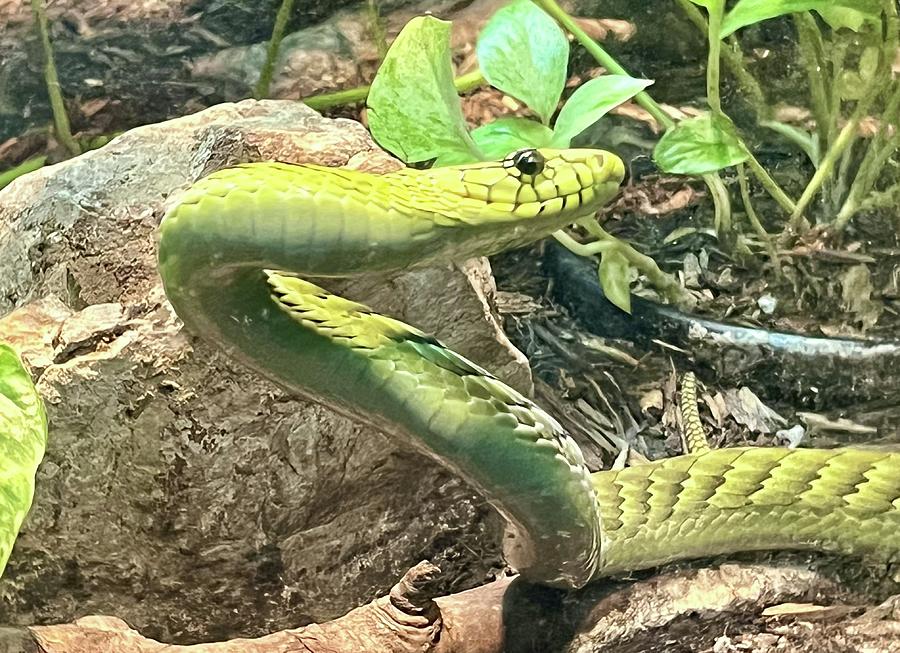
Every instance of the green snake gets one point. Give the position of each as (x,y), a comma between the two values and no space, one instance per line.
(234,250)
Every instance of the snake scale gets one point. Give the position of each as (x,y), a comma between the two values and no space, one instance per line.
(235,255)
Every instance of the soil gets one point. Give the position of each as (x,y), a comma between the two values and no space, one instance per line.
(849,288)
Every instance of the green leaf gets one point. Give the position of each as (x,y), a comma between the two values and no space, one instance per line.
(699,145)
(868,62)
(29,165)
(615,279)
(845,17)
(524,53)
(413,109)
(850,85)
(748,12)
(23,437)
(709,4)
(854,84)
(679,232)
(592,101)
(799,137)
(499,138)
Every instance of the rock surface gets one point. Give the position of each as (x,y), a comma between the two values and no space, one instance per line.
(181,492)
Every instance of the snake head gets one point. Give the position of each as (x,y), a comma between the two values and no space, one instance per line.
(480,209)
(544,182)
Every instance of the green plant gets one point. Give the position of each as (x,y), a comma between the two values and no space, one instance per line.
(85,144)
(414,112)
(261,89)
(75,145)
(29,165)
(840,33)
(23,438)
(60,117)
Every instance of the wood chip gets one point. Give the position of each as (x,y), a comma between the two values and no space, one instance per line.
(809,611)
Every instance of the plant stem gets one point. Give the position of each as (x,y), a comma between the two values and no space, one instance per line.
(582,249)
(721,206)
(376,27)
(754,220)
(837,189)
(662,281)
(734,61)
(714,99)
(463,84)
(825,169)
(767,182)
(849,132)
(800,137)
(29,165)
(54,91)
(721,199)
(879,150)
(835,56)
(713,96)
(812,53)
(265,75)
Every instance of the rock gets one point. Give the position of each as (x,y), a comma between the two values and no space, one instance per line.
(180,491)
(33,332)
(339,52)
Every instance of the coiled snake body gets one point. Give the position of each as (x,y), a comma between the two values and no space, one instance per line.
(232,255)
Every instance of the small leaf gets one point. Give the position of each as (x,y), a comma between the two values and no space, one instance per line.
(851,85)
(29,165)
(499,138)
(615,279)
(709,4)
(699,145)
(23,437)
(413,109)
(868,62)
(524,53)
(749,12)
(799,137)
(592,101)
(679,232)
(845,17)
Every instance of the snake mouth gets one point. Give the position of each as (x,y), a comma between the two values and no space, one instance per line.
(593,168)
(575,180)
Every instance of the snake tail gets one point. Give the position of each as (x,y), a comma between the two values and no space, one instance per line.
(692,434)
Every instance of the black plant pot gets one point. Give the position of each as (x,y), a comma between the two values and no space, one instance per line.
(810,371)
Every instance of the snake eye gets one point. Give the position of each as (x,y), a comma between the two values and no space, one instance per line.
(528,162)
